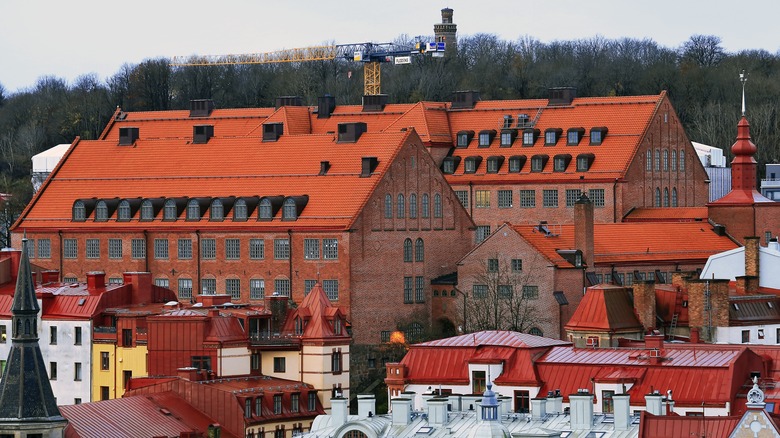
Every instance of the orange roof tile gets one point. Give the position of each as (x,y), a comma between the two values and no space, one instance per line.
(634,242)
(670,214)
(605,308)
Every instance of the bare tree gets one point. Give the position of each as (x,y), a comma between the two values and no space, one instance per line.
(703,50)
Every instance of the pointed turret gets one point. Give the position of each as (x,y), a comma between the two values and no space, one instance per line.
(26,398)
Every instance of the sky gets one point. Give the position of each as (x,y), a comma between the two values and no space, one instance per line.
(67,39)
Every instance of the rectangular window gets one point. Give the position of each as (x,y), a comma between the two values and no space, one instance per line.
(70,248)
(104,394)
(44,248)
(208,249)
(208,286)
(76,401)
(277,405)
(479,291)
(505,291)
(335,362)
(572,137)
(463,197)
(550,138)
(138,248)
(492,265)
(105,362)
(233,288)
(470,165)
(255,361)
(77,336)
(115,248)
(448,166)
(93,248)
(256,249)
(482,198)
(53,335)
(3,334)
(506,138)
(463,140)
(419,289)
(527,198)
(550,198)
(256,289)
(572,195)
(331,288)
(160,248)
(596,197)
(312,402)
(127,337)
(384,336)
(607,405)
(279,364)
(185,288)
(282,287)
(30,250)
(408,290)
(559,164)
(77,371)
(531,292)
(232,249)
(330,249)
(528,138)
(311,249)
(52,370)
(281,249)
(308,285)
(184,249)
(295,402)
(517,265)
(745,336)
(484,139)
(582,164)
(537,164)
(482,233)
(595,137)
(504,199)
(492,165)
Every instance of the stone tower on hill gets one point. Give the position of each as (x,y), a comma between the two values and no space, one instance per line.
(446,31)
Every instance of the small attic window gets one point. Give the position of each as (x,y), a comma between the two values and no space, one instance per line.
(508,137)
(265,211)
(101,211)
(464,138)
(494,164)
(193,210)
(471,164)
(170,211)
(79,211)
(486,137)
(516,163)
(128,136)
(240,210)
(574,136)
(449,165)
(561,162)
(217,210)
(202,133)
(584,161)
(529,136)
(123,212)
(272,131)
(597,135)
(538,162)
(551,136)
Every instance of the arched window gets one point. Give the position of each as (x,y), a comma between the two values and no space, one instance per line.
(147,210)
(426,206)
(264,210)
(536,331)
(666,197)
(666,160)
(101,211)
(289,211)
(388,206)
(123,212)
(217,212)
(408,250)
(401,206)
(649,161)
(239,210)
(193,210)
(437,205)
(169,210)
(657,197)
(657,159)
(674,159)
(412,206)
(682,161)
(298,326)
(419,250)
(79,211)
(674,196)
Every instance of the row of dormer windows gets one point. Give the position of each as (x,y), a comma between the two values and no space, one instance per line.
(516,163)
(529,136)
(192,209)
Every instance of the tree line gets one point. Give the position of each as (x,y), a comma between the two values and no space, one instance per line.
(700,77)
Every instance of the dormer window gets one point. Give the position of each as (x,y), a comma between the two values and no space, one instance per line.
(239,210)
(79,211)
(574,136)
(486,137)
(289,210)
(337,327)
(169,210)
(123,211)
(464,138)
(538,162)
(508,137)
(101,211)
(471,164)
(584,161)
(264,210)
(561,162)
(516,163)
(551,136)
(494,164)
(147,210)
(299,326)
(597,135)
(217,211)
(449,165)
(529,136)
(193,210)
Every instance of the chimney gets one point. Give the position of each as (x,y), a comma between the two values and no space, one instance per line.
(288,101)
(560,96)
(437,411)
(751,256)
(644,302)
(50,276)
(538,408)
(621,404)
(213,300)
(581,410)
(278,306)
(655,403)
(464,99)
(373,103)
(272,131)
(554,402)
(188,373)
(128,136)
(141,283)
(654,341)
(669,402)
(201,107)
(773,245)
(339,409)
(455,402)
(366,406)
(325,106)
(583,229)
(351,132)
(368,166)
(202,133)
(402,411)
(96,280)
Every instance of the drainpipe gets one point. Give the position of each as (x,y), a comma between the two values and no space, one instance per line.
(290,260)
(62,254)
(614,201)
(197,234)
(471,199)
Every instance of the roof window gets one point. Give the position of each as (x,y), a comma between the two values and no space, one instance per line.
(201,107)
(351,132)
(79,211)
(471,164)
(561,162)
(494,163)
(272,131)
(584,161)
(508,137)
(516,163)
(368,166)
(202,133)
(449,165)
(464,138)
(529,136)
(128,136)
(597,135)
(293,207)
(574,136)
(551,136)
(486,137)
(538,162)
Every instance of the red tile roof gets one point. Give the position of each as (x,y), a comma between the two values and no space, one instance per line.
(667,214)
(656,242)
(605,308)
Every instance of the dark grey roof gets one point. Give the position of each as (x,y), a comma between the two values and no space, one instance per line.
(24,296)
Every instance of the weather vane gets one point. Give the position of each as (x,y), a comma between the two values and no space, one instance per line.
(743,79)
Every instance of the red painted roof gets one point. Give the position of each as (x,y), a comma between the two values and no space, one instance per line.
(605,308)
(654,426)
(666,304)
(667,214)
(319,316)
(225,329)
(500,338)
(656,242)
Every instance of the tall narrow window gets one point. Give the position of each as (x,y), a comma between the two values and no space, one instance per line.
(408,250)
(649,160)
(666,160)
(419,250)
(657,160)
(673,160)
(217,212)
(419,289)
(388,206)
(408,290)
(101,211)
(401,206)
(437,205)
(682,161)
(657,197)
(290,211)
(666,197)
(169,210)
(674,196)
(412,206)
(425,206)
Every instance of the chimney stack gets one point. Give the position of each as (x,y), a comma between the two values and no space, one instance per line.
(622,409)
(339,409)
(402,411)
(538,408)
(751,256)
(437,411)
(583,229)
(644,302)
(581,410)
(655,403)
(366,405)
(96,280)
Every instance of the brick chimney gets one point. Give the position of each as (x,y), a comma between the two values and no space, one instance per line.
(644,302)
(96,280)
(50,276)
(188,373)
(141,283)
(278,306)
(583,229)
(699,314)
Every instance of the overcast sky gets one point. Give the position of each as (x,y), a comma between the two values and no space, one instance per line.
(67,39)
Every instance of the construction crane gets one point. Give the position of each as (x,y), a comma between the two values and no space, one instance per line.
(372,55)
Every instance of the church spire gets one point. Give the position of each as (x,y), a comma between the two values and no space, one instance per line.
(743,79)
